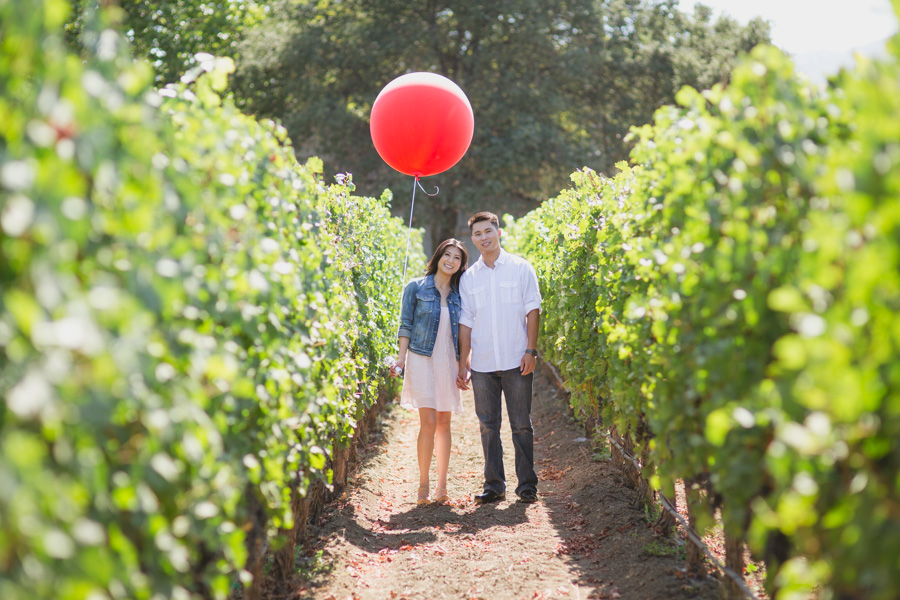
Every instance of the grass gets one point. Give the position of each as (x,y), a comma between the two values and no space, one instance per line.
(663,549)
(658,548)
(312,564)
(651,512)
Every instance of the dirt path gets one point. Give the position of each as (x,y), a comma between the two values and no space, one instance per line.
(583,539)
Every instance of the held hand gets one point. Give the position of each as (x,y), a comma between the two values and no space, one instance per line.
(462,379)
(397,369)
(527,364)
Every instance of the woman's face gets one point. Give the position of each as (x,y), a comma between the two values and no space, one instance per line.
(451,260)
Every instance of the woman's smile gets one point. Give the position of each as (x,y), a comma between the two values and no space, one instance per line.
(451,261)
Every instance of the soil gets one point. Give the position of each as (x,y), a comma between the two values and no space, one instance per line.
(586,537)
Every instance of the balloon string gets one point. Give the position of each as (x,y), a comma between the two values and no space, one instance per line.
(412,207)
(436,189)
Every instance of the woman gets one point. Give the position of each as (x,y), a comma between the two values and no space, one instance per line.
(429,359)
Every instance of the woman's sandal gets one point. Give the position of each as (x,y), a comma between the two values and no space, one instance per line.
(423,497)
(440,496)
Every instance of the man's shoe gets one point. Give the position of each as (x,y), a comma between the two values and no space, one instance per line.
(528,496)
(489,496)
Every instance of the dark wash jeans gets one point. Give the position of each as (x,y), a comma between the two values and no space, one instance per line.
(517,389)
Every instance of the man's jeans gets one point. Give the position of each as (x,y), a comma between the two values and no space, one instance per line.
(517,389)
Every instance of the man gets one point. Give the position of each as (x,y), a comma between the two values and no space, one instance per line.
(501,305)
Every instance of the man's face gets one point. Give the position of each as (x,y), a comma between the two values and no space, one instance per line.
(485,236)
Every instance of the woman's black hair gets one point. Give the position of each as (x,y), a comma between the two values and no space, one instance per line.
(432,267)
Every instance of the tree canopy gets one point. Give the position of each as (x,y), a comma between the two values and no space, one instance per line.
(555,85)
(171,32)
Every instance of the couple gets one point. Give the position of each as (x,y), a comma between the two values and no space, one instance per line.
(492,312)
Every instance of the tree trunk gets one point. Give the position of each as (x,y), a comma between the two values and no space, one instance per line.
(285,558)
(316,497)
(734,560)
(255,544)
(616,456)
(695,557)
(444,226)
(665,522)
(339,467)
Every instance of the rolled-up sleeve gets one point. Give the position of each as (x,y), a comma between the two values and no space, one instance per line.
(467,314)
(531,290)
(407,309)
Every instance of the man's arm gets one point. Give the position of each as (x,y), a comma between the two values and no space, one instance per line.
(464,336)
(531,298)
(532,326)
(465,345)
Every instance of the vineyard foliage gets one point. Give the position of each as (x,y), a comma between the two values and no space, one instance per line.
(190,321)
(730,302)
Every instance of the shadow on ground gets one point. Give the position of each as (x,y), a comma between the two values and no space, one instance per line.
(585,538)
(607,537)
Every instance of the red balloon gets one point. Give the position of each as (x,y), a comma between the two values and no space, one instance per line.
(421,124)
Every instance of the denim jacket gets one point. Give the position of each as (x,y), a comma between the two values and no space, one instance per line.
(420,315)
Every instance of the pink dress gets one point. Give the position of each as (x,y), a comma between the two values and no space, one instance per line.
(430,381)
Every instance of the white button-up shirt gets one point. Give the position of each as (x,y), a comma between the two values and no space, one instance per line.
(494,304)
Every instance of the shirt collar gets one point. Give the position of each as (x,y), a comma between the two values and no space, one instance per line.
(504,256)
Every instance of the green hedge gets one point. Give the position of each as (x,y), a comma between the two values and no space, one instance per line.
(733,297)
(184,336)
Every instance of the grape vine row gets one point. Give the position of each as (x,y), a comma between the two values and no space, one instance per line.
(191,323)
(728,303)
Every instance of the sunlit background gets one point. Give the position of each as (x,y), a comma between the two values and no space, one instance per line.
(822,35)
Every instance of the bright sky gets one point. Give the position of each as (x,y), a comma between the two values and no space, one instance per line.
(806,28)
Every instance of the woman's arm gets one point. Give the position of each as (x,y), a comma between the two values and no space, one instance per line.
(407,316)
(407,310)
(400,363)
